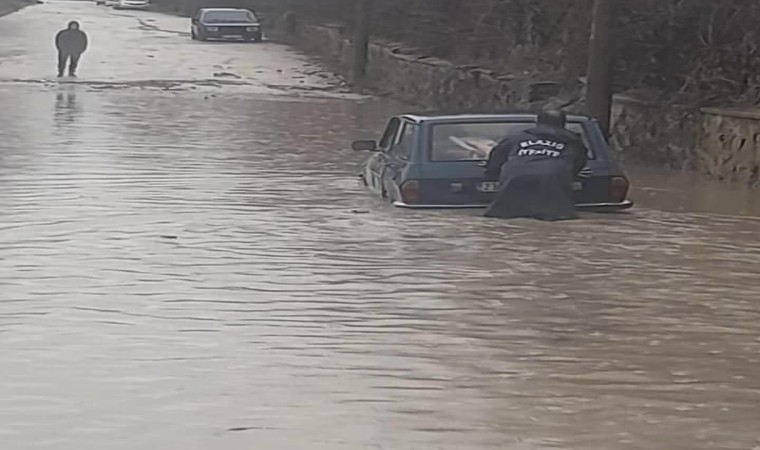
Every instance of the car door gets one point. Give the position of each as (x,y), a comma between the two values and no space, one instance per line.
(398,157)
(377,164)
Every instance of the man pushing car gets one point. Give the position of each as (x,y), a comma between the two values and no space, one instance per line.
(536,169)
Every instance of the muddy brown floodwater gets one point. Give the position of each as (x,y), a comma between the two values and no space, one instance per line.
(181,272)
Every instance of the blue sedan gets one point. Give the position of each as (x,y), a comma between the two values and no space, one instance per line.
(437,162)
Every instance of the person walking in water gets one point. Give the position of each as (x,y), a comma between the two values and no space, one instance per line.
(71,43)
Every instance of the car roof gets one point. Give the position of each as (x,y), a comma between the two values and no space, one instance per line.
(421,118)
(224,9)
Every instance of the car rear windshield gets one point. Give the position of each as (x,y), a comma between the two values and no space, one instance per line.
(474,141)
(229,17)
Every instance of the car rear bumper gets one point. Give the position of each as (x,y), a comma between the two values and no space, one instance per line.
(137,7)
(233,35)
(605,207)
(597,207)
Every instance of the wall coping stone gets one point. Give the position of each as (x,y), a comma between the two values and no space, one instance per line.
(631,100)
(741,113)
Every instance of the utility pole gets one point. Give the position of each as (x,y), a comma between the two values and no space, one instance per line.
(600,65)
(361,39)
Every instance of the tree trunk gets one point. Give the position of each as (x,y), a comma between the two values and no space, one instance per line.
(600,64)
(361,39)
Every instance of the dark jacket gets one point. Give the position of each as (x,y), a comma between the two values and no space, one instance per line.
(71,42)
(535,169)
(535,145)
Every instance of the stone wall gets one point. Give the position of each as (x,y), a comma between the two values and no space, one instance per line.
(645,128)
(439,84)
(700,48)
(543,35)
(329,41)
(723,143)
(730,144)
(436,83)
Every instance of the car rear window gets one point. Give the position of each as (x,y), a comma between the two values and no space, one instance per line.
(474,141)
(229,17)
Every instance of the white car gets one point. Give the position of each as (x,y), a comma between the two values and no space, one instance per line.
(132,4)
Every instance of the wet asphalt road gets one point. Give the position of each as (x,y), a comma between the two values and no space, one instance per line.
(194,266)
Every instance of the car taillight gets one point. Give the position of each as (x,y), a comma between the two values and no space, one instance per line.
(619,189)
(410,192)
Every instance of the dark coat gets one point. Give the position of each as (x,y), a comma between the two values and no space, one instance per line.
(71,42)
(536,169)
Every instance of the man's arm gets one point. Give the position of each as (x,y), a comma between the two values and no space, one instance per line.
(58,40)
(497,158)
(580,158)
(84,42)
(578,153)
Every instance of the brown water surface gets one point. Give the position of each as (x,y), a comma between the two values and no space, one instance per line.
(181,272)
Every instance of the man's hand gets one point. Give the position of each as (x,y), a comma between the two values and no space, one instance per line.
(586,172)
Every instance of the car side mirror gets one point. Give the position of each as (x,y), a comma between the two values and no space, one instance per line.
(364,146)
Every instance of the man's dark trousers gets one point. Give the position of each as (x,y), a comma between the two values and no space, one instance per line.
(72,60)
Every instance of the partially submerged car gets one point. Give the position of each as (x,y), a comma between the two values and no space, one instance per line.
(226,24)
(437,161)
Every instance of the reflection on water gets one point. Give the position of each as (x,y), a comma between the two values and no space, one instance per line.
(66,108)
(187,273)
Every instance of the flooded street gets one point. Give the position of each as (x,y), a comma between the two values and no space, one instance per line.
(195,266)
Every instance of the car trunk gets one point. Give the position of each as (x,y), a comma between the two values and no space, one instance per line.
(457,184)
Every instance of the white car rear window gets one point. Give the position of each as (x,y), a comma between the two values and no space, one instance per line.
(474,141)
(229,17)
